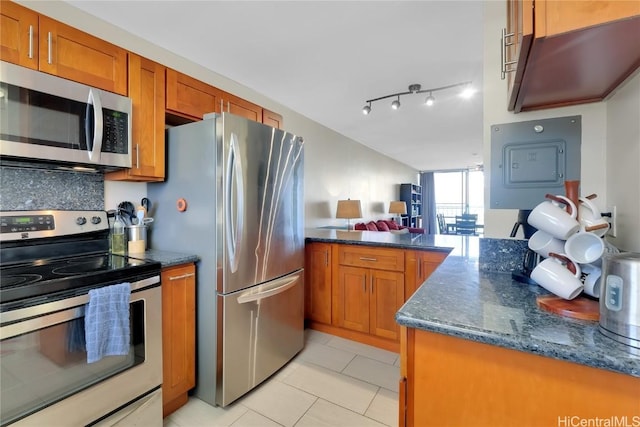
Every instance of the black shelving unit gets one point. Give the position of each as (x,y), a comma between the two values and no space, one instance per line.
(411,194)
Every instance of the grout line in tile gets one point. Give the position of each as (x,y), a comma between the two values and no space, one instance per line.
(305,412)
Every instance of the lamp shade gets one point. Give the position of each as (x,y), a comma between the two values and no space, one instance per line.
(349,209)
(398,207)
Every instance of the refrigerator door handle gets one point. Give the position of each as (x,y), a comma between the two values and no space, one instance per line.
(284,284)
(234,228)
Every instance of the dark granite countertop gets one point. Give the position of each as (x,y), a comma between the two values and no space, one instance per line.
(432,242)
(461,301)
(166,258)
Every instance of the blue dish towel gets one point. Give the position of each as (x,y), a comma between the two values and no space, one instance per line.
(106,322)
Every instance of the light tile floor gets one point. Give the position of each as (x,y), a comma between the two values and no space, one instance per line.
(332,382)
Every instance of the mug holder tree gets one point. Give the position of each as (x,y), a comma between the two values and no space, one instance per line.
(581,307)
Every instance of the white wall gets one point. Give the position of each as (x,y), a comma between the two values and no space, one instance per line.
(623,163)
(336,167)
(599,154)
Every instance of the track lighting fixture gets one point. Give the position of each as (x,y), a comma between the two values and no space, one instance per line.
(416,88)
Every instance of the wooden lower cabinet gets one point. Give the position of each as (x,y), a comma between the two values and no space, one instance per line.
(448,381)
(366,300)
(354,291)
(178,335)
(419,266)
(318,282)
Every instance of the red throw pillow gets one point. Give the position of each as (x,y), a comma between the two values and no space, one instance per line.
(360,226)
(382,226)
(371,226)
(392,225)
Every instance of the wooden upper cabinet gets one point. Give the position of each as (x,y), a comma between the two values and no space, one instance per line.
(191,98)
(570,52)
(35,41)
(78,56)
(272,119)
(18,35)
(147,93)
(240,107)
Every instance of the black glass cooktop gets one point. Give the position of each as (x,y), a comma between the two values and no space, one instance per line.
(42,278)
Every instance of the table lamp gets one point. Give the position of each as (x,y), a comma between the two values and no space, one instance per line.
(349,209)
(399,208)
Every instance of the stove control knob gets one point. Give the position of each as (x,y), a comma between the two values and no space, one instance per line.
(96,220)
(81,220)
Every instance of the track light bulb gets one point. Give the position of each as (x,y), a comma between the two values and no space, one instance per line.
(467,92)
(430,100)
(396,104)
(366,110)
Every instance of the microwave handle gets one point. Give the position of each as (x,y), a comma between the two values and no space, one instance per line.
(94,149)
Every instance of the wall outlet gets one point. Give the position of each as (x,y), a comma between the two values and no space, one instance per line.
(613,230)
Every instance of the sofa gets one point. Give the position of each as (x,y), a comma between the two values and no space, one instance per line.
(387,225)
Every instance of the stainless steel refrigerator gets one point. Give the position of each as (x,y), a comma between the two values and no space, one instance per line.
(233,195)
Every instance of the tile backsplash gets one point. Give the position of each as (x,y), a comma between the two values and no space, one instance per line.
(34,189)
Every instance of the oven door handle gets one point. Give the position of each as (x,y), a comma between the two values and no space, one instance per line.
(52,313)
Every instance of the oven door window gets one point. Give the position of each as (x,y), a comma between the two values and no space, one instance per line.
(39,118)
(45,364)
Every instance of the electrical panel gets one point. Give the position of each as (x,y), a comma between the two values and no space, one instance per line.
(532,158)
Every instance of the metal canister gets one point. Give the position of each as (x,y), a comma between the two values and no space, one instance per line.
(620,298)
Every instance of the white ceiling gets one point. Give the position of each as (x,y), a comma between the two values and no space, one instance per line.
(324,59)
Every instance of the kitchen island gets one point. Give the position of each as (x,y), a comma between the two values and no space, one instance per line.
(477,350)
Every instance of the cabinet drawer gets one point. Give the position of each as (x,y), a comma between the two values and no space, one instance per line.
(381,259)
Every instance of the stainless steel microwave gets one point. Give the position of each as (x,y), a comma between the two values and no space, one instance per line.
(48,120)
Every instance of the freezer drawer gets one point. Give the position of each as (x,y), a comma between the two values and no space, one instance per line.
(262,329)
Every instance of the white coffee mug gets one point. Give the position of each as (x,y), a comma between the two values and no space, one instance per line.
(591,280)
(584,247)
(551,217)
(591,219)
(554,276)
(542,243)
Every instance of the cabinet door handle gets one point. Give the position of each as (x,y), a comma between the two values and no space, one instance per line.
(137,156)
(30,41)
(372,283)
(503,54)
(182,276)
(419,268)
(362,258)
(326,258)
(49,48)
(364,283)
